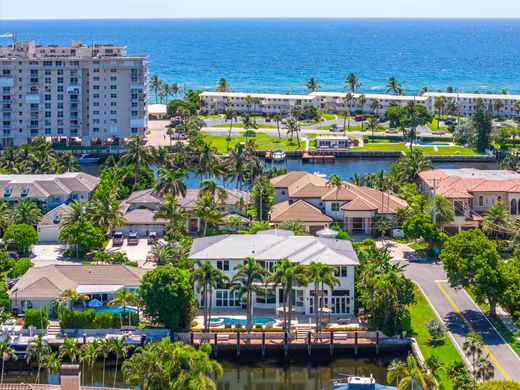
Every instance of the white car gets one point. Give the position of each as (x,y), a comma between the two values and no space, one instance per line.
(391,131)
(438,132)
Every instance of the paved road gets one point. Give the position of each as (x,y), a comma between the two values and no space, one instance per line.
(458,311)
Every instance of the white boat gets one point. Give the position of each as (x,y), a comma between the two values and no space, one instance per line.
(322,175)
(355,382)
(279,156)
(87,159)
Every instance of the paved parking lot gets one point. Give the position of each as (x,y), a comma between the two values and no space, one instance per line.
(137,252)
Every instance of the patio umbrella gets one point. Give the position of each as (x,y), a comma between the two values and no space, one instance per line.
(283,309)
(325,310)
(95,303)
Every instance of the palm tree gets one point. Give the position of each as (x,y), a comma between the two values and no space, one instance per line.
(172,182)
(312,85)
(334,181)
(38,349)
(211,187)
(155,84)
(485,370)
(124,298)
(362,100)
(7,352)
(473,348)
(278,118)
(498,105)
(69,349)
(496,220)
(393,85)
(245,282)
(288,275)
(52,363)
(137,154)
(413,375)
(174,213)
(376,105)
(222,85)
(26,211)
(352,82)
(319,273)
(234,222)
(104,350)
(72,296)
(349,100)
(294,226)
(395,371)
(230,116)
(92,353)
(293,126)
(373,124)
(208,210)
(119,349)
(74,213)
(206,277)
(383,224)
(104,212)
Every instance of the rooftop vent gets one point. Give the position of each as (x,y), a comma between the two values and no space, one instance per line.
(24,192)
(8,192)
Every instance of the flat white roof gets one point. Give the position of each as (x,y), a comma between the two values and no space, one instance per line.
(157,109)
(380,96)
(492,96)
(331,137)
(256,95)
(98,288)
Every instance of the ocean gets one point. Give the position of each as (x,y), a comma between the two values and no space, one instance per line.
(279,55)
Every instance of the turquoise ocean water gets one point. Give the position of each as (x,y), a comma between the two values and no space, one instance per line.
(279,55)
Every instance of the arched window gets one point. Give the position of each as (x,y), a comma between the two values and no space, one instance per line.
(481,200)
(499,199)
(513,207)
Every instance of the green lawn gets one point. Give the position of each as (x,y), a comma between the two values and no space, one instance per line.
(499,325)
(427,150)
(215,116)
(262,140)
(420,313)
(241,126)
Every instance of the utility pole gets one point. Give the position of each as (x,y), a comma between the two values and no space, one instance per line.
(434,201)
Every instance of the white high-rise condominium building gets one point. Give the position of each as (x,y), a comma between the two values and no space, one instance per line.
(88,93)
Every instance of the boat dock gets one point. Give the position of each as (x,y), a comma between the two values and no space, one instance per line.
(268,156)
(301,342)
(312,157)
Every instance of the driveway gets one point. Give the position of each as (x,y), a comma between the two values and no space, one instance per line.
(47,254)
(137,252)
(458,311)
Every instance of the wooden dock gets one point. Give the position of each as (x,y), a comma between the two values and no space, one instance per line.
(268,155)
(301,342)
(312,157)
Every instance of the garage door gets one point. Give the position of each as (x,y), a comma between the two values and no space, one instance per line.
(48,233)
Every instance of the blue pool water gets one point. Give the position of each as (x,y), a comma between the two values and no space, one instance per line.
(279,55)
(234,321)
(116,310)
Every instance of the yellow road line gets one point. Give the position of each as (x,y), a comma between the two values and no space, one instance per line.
(459,312)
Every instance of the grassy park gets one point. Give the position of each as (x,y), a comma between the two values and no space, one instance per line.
(427,150)
(263,141)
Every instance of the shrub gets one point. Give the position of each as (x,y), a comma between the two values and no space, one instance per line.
(250,133)
(90,319)
(20,267)
(259,326)
(20,237)
(36,318)
(174,105)
(436,329)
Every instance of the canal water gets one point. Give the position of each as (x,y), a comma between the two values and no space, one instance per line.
(344,167)
(249,373)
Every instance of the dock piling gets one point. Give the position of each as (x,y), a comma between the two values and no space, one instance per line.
(216,344)
(238,343)
(331,342)
(191,338)
(355,343)
(286,341)
(377,342)
(309,343)
(263,343)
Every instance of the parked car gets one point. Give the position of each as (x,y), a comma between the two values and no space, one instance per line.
(118,239)
(152,237)
(438,132)
(359,118)
(391,131)
(268,119)
(283,121)
(133,238)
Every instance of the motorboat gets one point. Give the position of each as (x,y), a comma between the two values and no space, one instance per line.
(87,159)
(279,156)
(319,174)
(356,382)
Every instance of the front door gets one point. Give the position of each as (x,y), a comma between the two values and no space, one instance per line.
(357,225)
(193,225)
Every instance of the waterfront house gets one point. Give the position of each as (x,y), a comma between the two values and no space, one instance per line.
(355,208)
(332,142)
(41,286)
(311,217)
(472,191)
(140,207)
(270,247)
(48,191)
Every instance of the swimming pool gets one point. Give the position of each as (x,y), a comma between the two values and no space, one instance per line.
(435,144)
(116,310)
(234,321)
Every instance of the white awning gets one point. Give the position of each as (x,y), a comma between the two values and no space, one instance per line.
(98,288)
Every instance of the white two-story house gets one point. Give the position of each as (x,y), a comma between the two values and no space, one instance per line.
(268,248)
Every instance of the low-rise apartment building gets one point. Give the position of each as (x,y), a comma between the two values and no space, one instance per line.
(270,247)
(355,208)
(472,191)
(48,191)
(466,103)
(88,93)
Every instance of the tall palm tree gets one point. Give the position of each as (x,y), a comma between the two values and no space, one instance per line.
(413,375)
(120,350)
(334,181)
(473,348)
(439,103)
(174,213)
(393,85)
(104,350)
(52,363)
(208,210)
(349,100)
(485,370)
(172,182)
(292,126)
(245,282)
(352,82)
(376,105)
(312,84)
(496,220)
(6,352)
(222,85)
(362,100)
(206,277)
(395,371)
(373,124)
(211,187)
(155,84)
(92,353)
(319,273)
(124,298)
(288,275)
(105,212)
(38,349)
(238,160)
(230,115)
(137,154)
(26,211)
(74,213)
(278,118)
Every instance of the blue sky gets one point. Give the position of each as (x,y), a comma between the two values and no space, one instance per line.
(71,9)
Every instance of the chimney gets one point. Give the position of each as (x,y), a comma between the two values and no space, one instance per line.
(70,377)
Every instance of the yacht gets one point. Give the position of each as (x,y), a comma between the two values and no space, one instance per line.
(279,156)
(355,382)
(87,159)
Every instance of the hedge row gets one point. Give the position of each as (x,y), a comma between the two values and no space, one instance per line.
(91,319)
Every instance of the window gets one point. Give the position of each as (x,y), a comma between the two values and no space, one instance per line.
(283,192)
(227,299)
(113,87)
(341,272)
(223,265)
(113,95)
(265,296)
(513,207)
(481,200)
(335,206)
